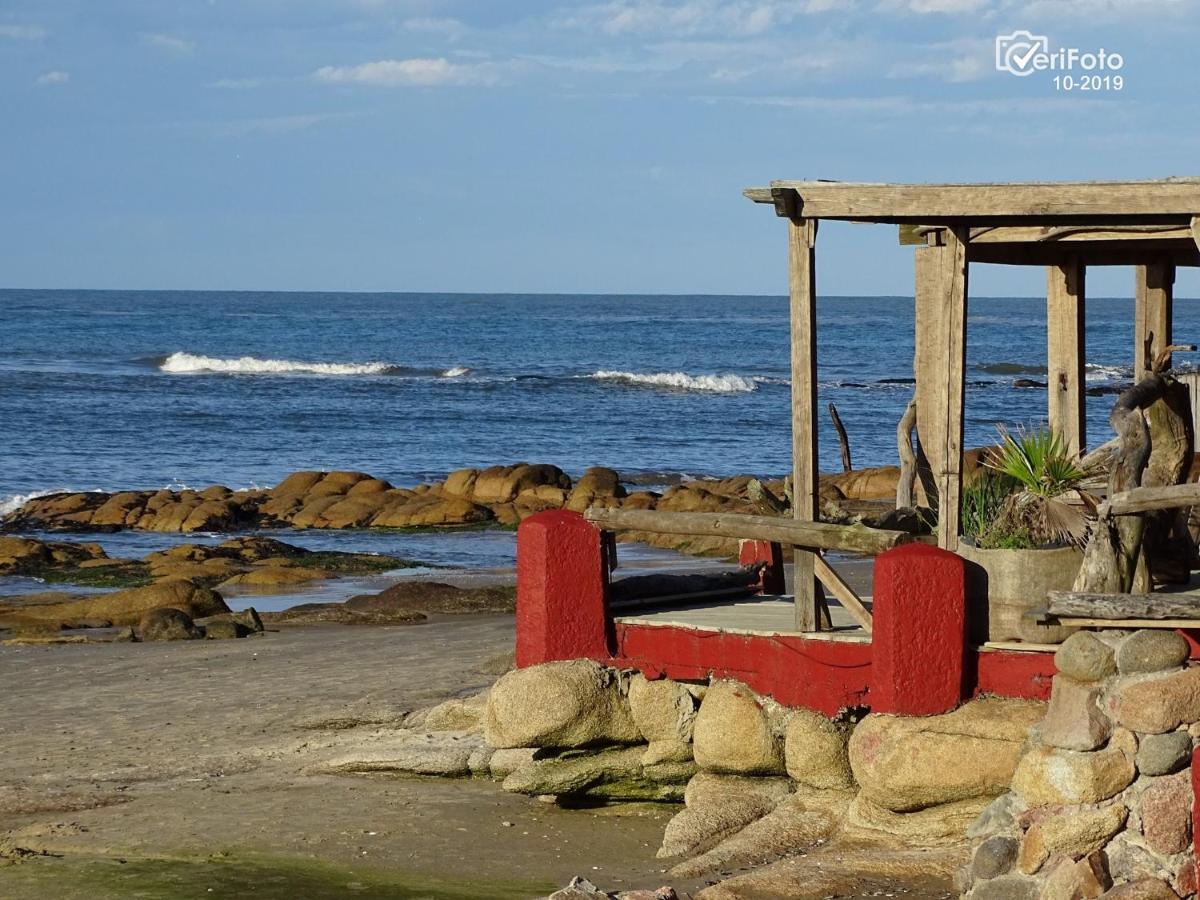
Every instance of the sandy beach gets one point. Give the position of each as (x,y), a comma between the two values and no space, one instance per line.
(198,752)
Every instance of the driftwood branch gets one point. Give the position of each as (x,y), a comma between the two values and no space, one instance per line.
(843,441)
(907,482)
(764,498)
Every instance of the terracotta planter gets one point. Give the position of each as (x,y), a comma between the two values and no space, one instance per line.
(1004,584)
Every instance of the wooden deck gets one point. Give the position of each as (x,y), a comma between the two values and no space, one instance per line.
(754,615)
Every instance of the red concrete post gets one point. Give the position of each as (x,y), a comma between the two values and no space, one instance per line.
(751,552)
(918,639)
(561,609)
(1196,811)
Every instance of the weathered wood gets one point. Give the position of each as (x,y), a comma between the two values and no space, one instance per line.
(1195,229)
(1146,499)
(1131,624)
(907,482)
(1065,301)
(1154,289)
(941,310)
(1054,234)
(802,291)
(1123,606)
(843,440)
(810,535)
(850,601)
(1113,561)
(1177,251)
(1177,199)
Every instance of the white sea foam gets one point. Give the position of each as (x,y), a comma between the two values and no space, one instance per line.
(455,372)
(15,501)
(1098,372)
(189,363)
(681,381)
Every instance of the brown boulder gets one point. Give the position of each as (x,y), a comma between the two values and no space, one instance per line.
(296,483)
(127,607)
(502,484)
(168,625)
(432,510)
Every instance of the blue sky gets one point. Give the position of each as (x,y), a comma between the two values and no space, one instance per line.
(553,145)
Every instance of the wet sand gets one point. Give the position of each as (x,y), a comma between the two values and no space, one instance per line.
(183,750)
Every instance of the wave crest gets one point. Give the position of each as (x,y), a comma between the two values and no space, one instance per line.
(182,363)
(681,381)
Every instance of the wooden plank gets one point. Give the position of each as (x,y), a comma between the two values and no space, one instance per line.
(1178,198)
(1096,253)
(1172,624)
(1145,499)
(1192,380)
(1195,229)
(1165,235)
(1065,304)
(1020,646)
(802,291)
(1108,607)
(793,533)
(1154,290)
(941,311)
(843,592)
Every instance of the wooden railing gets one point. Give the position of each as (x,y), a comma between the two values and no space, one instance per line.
(814,536)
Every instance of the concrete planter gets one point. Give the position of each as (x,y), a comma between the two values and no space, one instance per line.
(1004,584)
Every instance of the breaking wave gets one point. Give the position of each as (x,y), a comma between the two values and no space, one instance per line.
(681,381)
(181,363)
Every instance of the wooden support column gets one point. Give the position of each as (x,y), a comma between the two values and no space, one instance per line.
(1154,293)
(802,289)
(941,321)
(1065,303)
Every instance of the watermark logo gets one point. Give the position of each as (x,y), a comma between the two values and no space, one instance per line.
(1015,52)
(1023,53)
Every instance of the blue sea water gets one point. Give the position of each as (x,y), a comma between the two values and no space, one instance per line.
(115,389)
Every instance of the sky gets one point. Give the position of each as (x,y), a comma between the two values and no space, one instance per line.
(545,146)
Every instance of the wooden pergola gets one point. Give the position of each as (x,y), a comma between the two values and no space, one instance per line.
(1152,226)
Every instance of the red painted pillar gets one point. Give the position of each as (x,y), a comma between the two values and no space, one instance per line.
(561,610)
(918,639)
(1196,812)
(751,552)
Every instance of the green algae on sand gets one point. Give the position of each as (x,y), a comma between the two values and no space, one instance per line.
(230,877)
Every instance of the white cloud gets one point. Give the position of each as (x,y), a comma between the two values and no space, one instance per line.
(417,72)
(168,42)
(270,125)
(449,28)
(22,32)
(55,76)
(687,17)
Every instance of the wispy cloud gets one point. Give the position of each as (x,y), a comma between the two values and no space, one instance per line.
(269,126)
(416,72)
(22,32)
(449,28)
(688,17)
(168,42)
(54,76)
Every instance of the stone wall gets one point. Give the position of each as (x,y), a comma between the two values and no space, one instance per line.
(1102,798)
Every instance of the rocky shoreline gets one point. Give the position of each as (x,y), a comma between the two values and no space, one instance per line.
(499,496)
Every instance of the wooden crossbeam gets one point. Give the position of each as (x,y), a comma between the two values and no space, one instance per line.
(1178,198)
(792,533)
(845,594)
(1146,499)
(1110,607)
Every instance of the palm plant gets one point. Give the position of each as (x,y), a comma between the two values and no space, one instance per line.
(1045,475)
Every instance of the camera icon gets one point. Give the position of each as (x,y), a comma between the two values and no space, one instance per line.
(1016,52)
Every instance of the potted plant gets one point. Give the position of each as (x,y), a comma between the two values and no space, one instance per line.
(1024,519)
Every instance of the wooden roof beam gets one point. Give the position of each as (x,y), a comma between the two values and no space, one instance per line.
(1175,200)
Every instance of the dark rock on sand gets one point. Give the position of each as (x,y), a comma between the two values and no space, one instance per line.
(168,625)
(401,604)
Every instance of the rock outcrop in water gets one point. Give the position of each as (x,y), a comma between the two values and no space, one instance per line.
(501,495)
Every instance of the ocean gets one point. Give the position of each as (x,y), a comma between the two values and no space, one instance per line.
(121,389)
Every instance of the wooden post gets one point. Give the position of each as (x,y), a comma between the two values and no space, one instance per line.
(1065,304)
(802,289)
(1154,293)
(941,319)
